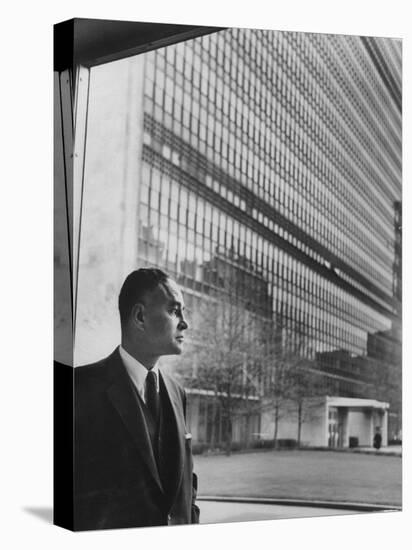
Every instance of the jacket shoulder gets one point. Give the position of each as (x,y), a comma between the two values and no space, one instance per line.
(93,375)
(90,371)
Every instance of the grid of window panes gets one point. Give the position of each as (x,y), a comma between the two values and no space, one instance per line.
(273,159)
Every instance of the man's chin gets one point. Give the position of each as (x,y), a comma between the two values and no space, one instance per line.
(176,349)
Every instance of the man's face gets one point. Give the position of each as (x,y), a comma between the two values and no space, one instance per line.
(164,319)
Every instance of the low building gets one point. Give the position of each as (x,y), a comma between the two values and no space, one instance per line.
(208,421)
(334,422)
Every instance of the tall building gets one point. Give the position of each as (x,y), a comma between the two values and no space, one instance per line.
(385,347)
(265,169)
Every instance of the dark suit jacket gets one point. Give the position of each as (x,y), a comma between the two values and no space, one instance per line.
(116,480)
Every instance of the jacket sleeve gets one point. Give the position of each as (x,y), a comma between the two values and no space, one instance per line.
(195,508)
(195,512)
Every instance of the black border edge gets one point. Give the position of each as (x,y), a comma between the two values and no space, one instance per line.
(63,447)
(63,45)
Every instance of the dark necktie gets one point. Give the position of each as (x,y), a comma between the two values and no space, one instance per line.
(152,395)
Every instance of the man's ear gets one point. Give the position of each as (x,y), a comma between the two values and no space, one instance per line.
(138,316)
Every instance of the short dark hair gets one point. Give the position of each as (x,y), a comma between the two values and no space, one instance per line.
(136,285)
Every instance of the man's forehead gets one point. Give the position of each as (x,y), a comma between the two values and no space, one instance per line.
(170,291)
(173,292)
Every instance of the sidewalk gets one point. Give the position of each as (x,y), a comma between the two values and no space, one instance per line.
(228,512)
(390,450)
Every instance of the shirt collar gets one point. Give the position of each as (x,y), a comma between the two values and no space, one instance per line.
(137,371)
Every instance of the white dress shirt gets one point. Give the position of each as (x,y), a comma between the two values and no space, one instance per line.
(137,372)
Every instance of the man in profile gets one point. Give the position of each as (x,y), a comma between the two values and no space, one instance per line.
(133,459)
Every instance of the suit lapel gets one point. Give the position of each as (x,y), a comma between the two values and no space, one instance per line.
(121,395)
(179,423)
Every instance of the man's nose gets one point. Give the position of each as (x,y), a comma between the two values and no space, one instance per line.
(183,323)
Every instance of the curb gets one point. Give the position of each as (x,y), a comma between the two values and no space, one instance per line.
(355,450)
(354,506)
(376,453)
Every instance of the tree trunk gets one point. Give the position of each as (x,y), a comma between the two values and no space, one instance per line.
(247,429)
(275,433)
(213,434)
(299,422)
(229,435)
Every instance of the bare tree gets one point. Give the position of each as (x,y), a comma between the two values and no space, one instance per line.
(289,385)
(226,362)
(278,361)
(305,384)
